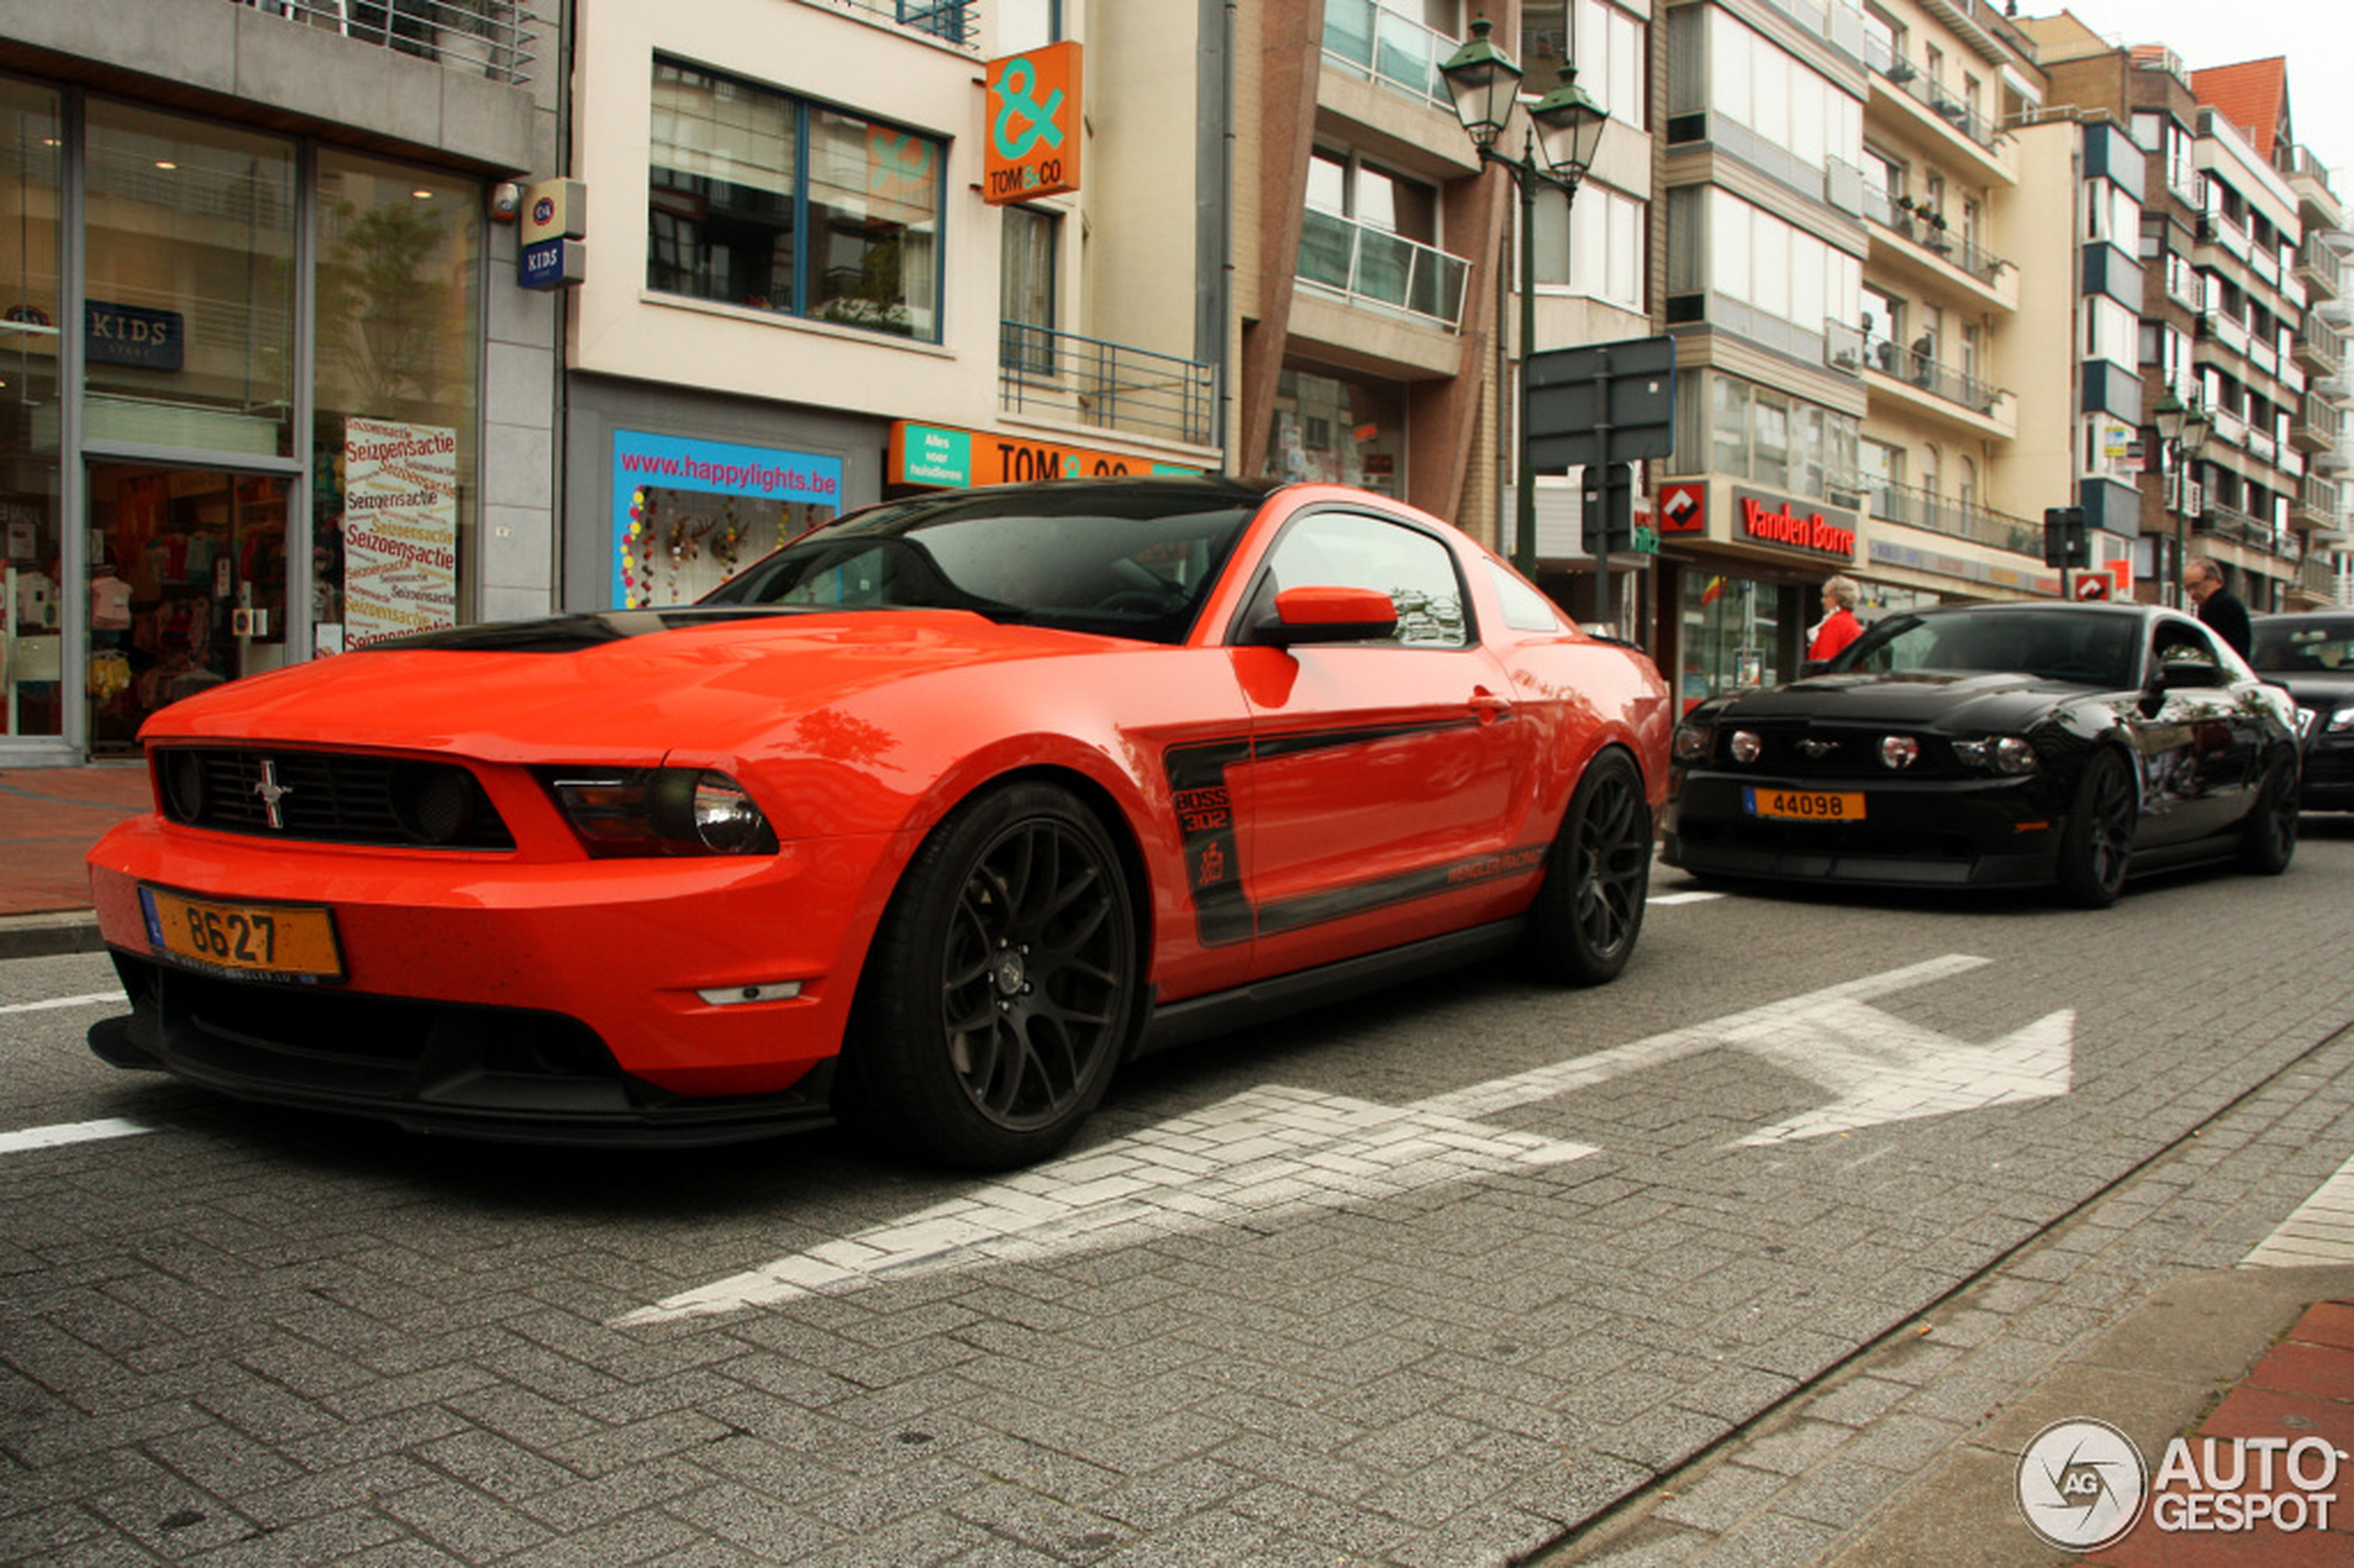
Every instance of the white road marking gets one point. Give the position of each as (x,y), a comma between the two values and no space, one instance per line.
(2321,1231)
(1661,899)
(94,999)
(70,1133)
(1276,1150)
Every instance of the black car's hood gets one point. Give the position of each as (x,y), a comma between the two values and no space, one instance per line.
(1923,700)
(2314,689)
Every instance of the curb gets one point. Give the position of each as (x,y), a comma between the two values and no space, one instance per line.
(46,936)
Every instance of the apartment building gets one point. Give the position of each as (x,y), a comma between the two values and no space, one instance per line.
(242,309)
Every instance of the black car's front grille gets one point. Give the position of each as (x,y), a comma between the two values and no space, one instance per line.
(1788,750)
(331,797)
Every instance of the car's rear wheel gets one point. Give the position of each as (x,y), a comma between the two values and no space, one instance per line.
(2097,842)
(1589,910)
(1002,985)
(2269,839)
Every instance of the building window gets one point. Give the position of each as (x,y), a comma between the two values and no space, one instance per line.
(1592,246)
(1027,24)
(1027,272)
(1341,430)
(1607,46)
(763,200)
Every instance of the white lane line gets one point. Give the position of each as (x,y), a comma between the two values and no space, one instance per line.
(1659,899)
(95,999)
(70,1133)
(2321,1231)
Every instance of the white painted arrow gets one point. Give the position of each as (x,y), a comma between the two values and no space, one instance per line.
(1274,1150)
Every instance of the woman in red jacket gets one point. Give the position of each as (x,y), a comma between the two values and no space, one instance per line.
(1839,625)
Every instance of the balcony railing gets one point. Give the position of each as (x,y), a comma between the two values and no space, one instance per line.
(1917,369)
(1372,41)
(1932,234)
(2316,578)
(1107,386)
(1370,265)
(1901,74)
(2228,522)
(497,37)
(1955,518)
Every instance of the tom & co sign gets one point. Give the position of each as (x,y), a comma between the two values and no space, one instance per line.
(1806,527)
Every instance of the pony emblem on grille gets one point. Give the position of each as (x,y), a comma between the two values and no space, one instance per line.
(272,794)
(1815,751)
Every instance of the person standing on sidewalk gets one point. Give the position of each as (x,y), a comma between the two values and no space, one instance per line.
(1839,625)
(2219,609)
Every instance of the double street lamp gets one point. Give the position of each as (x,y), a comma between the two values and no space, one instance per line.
(2185,429)
(1564,128)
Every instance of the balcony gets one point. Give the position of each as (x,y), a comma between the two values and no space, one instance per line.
(1930,234)
(1955,519)
(2320,352)
(1371,40)
(2316,579)
(1370,266)
(495,37)
(1933,105)
(1920,375)
(1060,376)
(2236,527)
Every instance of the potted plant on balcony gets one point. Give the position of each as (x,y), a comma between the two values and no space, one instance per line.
(1938,239)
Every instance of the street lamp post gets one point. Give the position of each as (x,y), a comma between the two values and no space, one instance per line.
(1565,126)
(2184,429)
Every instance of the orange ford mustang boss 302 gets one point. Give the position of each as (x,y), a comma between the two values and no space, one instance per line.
(930,819)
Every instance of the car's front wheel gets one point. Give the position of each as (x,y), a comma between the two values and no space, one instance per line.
(1590,909)
(2097,842)
(2269,839)
(1002,984)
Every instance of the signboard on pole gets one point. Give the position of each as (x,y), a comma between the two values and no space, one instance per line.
(1600,403)
(1029,147)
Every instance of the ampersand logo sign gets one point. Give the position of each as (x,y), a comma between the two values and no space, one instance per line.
(1034,125)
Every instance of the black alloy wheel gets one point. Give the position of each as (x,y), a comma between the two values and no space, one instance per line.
(1589,910)
(2097,842)
(1002,985)
(2269,839)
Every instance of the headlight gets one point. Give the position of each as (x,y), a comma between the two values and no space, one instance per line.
(2011,755)
(2341,720)
(1692,742)
(655,811)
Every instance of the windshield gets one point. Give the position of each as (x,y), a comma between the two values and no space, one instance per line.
(2089,648)
(1118,559)
(2303,647)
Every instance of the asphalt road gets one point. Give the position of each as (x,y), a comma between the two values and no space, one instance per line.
(1432,1279)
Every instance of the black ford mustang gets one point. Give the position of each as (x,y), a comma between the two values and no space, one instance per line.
(1990,744)
(2313,656)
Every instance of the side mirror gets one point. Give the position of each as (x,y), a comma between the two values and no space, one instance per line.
(1327,614)
(2191,674)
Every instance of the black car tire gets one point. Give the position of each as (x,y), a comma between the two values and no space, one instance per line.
(2268,841)
(2097,842)
(1590,909)
(1003,984)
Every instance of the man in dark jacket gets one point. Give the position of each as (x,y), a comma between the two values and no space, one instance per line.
(2219,609)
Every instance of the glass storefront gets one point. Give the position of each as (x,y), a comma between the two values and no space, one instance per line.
(176,528)
(1731,634)
(33,569)
(1341,430)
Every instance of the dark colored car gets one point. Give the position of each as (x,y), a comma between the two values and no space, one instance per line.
(1983,745)
(2312,656)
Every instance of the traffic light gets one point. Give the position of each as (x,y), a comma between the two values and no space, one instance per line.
(2065,541)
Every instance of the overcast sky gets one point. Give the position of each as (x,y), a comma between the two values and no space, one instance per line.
(2317,37)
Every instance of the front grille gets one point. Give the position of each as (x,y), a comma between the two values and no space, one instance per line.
(329,797)
(1798,750)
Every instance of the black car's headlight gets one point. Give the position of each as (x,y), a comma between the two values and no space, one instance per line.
(1693,742)
(2342,720)
(2004,754)
(659,811)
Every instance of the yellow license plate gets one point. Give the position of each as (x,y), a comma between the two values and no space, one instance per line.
(1806,806)
(265,941)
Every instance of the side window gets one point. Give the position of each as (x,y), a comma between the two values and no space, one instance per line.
(2177,641)
(1525,608)
(1350,549)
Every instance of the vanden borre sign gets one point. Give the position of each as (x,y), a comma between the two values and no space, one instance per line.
(1031,141)
(1777,521)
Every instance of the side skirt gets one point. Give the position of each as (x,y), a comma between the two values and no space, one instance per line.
(1199,1017)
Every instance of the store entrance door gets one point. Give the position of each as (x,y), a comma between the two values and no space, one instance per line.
(187,587)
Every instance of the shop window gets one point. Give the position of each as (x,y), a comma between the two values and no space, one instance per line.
(190,308)
(398,403)
(759,199)
(1339,430)
(32,658)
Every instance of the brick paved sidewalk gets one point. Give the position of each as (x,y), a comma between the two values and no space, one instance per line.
(49,817)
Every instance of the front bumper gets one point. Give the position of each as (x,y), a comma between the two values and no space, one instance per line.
(1969,832)
(498,996)
(2328,779)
